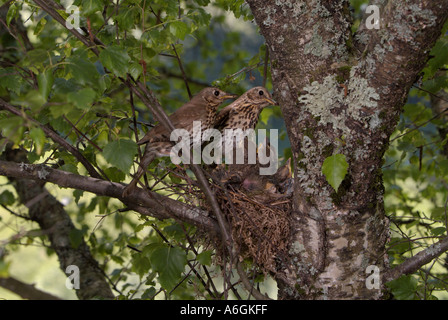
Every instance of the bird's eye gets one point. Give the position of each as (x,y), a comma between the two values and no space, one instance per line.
(216,93)
(260,92)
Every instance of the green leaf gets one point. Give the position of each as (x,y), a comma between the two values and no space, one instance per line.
(7,198)
(82,70)
(115,174)
(436,84)
(69,167)
(140,264)
(45,81)
(200,16)
(174,231)
(57,111)
(135,70)
(33,99)
(40,26)
(77,194)
(38,136)
(83,99)
(169,262)
(438,231)
(10,80)
(121,154)
(126,18)
(205,257)
(265,115)
(134,240)
(179,29)
(76,237)
(439,54)
(36,59)
(12,128)
(115,59)
(13,12)
(91,6)
(403,288)
(335,169)
(438,213)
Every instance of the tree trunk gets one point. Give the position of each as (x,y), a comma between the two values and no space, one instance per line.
(49,213)
(342,94)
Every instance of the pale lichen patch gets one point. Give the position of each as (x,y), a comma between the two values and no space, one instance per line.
(361,101)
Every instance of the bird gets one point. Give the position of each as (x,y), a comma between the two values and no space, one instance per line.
(242,114)
(202,107)
(263,188)
(277,183)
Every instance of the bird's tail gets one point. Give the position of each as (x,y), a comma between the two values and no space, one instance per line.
(147,158)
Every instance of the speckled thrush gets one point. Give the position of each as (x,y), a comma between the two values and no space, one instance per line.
(202,107)
(243,114)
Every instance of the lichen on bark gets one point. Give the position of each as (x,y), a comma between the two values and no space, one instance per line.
(351,111)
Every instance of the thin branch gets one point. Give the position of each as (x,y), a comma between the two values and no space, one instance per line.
(248,284)
(55,15)
(50,133)
(151,102)
(427,121)
(15,213)
(176,55)
(82,134)
(181,67)
(265,69)
(148,99)
(155,205)
(167,73)
(25,290)
(414,263)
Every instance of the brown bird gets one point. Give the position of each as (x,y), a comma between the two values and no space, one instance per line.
(202,107)
(243,114)
(277,183)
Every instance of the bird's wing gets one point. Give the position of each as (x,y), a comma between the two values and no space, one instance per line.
(181,118)
(223,117)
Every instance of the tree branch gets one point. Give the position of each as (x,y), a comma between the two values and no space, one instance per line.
(25,290)
(248,284)
(46,6)
(392,56)
(54,221)
(151,102)
(414,263)
(155,205)
(50,133)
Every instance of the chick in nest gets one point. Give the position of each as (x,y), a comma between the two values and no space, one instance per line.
(247,178)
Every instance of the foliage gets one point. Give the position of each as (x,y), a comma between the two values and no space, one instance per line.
(61,83)
(415,173)
(335,169)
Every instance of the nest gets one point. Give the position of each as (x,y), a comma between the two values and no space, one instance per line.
(258,212)
(260,231)
(257,209)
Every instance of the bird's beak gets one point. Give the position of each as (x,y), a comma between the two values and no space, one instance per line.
(271,101)
(230,96)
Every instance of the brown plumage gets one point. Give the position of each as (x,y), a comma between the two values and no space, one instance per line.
(243,113)
(202,107)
